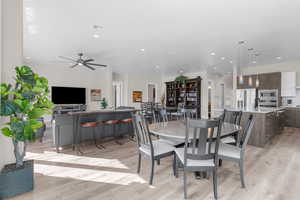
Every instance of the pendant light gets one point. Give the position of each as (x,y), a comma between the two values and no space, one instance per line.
(257,81)
(250,81)
(241,78)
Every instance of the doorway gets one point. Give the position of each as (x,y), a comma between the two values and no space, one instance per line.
(118,94)
(151,93)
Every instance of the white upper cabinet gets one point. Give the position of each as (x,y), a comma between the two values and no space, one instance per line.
(288,84)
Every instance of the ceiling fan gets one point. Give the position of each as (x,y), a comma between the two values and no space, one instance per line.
(83,62)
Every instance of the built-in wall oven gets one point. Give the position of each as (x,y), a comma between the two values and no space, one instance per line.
(268,98)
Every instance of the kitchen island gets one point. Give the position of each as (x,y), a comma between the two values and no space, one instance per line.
(66,126)
(268,123)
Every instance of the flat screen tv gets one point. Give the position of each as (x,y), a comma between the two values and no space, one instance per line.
(68,95)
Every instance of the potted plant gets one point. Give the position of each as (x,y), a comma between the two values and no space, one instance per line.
(104,103)
(23,104)
(181,80)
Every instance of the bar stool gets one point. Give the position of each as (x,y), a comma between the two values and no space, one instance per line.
(127,122)
(113,124)
(92,125)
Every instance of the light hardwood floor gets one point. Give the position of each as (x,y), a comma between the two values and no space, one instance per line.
(272,173)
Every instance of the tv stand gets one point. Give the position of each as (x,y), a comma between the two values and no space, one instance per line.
(65,108)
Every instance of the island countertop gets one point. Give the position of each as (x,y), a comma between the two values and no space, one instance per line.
(260,110)
(104,111)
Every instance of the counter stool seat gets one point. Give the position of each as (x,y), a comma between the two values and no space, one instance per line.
(113,123)
(92,125)
(129,120)
(89,124)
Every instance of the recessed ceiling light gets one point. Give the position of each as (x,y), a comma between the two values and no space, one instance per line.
(254,62)
(157,67)
(97,27)
(27,58)
(181,71)
(215,68)
(231,61)
(212,53)
(142,49)
(223,58)
(96,35)
(278,58)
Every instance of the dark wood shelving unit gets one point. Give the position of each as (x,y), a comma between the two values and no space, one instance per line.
(187,93)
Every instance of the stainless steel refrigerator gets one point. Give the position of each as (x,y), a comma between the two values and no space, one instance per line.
(245,99)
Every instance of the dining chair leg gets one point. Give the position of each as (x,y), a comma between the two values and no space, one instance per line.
(215,183)
(139,163)
(220,162)
(152,171)
(174,165)
(241,165)
(158,161)
(184,185)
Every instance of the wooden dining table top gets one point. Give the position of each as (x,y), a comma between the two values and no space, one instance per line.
(176,129)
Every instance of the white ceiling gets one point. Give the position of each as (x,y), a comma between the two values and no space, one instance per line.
(175,34)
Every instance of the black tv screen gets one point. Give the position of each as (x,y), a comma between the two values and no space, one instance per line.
(68,95)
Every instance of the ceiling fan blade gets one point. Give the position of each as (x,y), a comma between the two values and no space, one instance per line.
(66,58)
(88,60)
(92,68)
(74,65)
(94,64)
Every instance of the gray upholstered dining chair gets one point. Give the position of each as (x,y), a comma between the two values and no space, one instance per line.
(190,113)
(164,121)
(154,150)
(237,153)
(233,117)
(197,154)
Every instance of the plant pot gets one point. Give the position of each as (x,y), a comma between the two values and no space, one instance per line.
(15,181)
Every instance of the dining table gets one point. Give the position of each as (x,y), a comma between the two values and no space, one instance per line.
(177,130)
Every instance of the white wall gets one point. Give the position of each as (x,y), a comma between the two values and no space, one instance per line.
(217,80)
(293,66)
(63,75)
(10,56)
(139,82)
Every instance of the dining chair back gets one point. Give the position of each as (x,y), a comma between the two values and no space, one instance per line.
(155,150)
(164,115)
(198,147)
(142,132)
(237,153)
(233,117)
(190,113)
(247,133)
(198,154)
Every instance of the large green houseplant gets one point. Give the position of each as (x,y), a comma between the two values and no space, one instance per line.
(24,103)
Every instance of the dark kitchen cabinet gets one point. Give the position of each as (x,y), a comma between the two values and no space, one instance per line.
(292,117)
(297,117)
(267,81)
